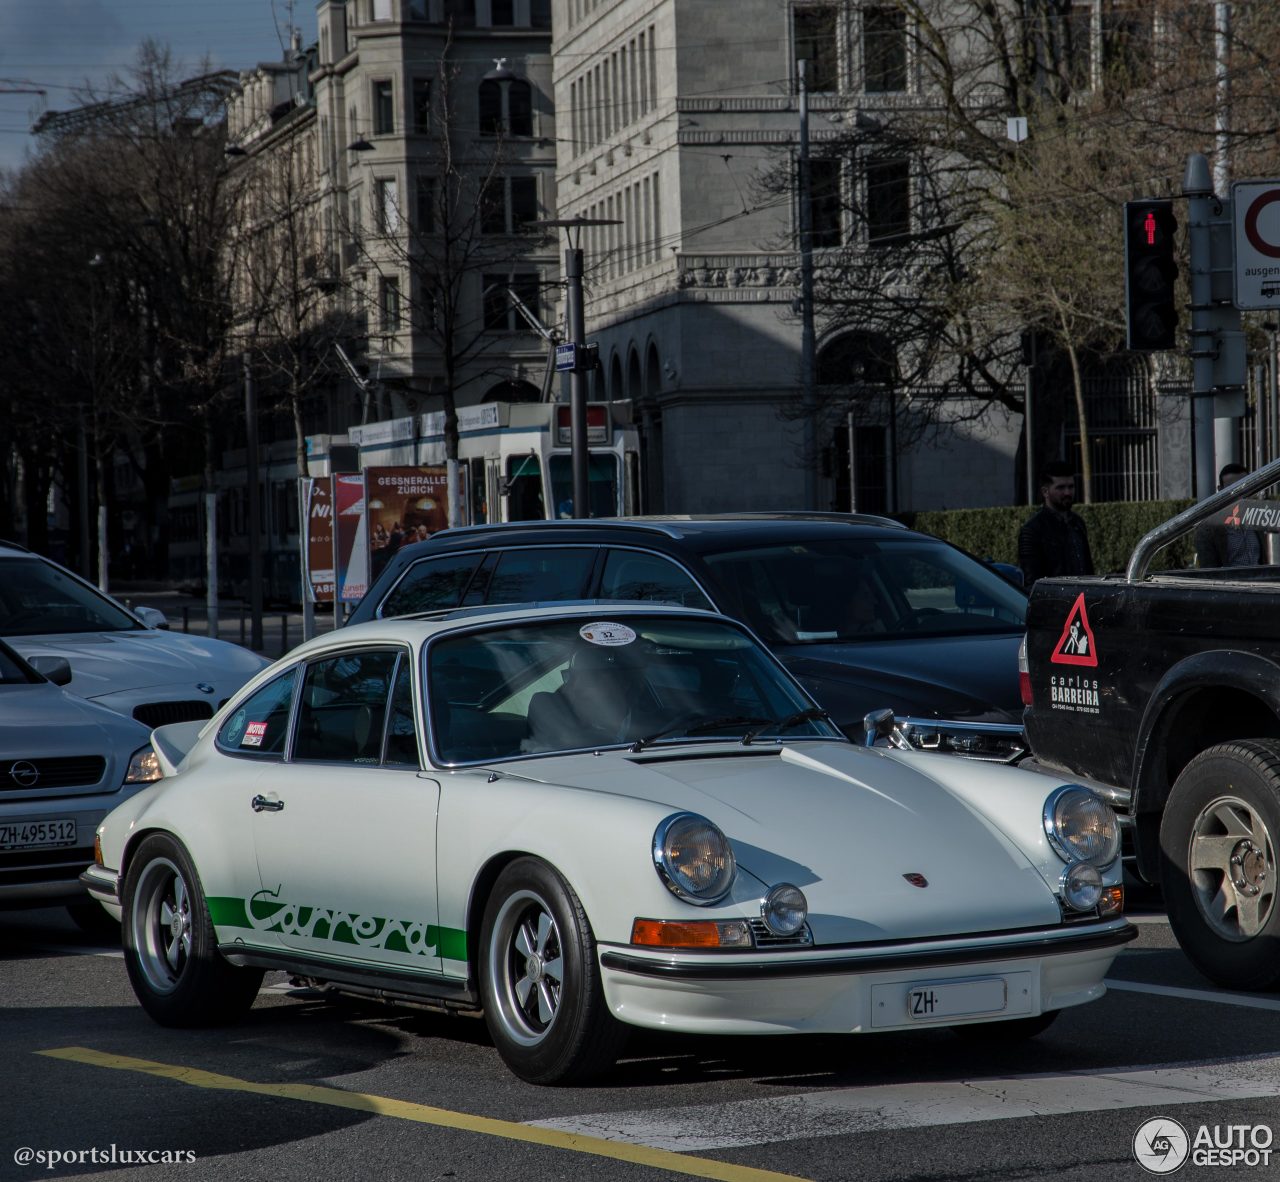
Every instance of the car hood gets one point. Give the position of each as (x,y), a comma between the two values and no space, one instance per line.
(963,678)
(41,720)
(105,663)
(846,825)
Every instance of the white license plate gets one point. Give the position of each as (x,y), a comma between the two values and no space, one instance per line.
(956,999)
(25,835)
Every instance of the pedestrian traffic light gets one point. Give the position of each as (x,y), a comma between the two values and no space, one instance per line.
(1150,275)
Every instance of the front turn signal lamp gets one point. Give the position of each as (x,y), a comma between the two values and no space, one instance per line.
(696,933)
(1112,901)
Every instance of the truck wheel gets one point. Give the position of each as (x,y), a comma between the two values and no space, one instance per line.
(1218,862)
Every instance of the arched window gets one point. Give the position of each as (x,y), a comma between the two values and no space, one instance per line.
(513,390)
(635,384)
(506,108)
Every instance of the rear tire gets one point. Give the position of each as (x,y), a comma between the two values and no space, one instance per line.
(1218,863)
(170,949)
(540,980)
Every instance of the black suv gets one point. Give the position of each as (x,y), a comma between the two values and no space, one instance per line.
(864,612)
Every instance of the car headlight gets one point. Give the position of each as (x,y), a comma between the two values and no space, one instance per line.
(785,909)
(1081,886)
(1081,826)
(144,767)
(693,858)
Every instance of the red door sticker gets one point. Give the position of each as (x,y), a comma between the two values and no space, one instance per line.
(1076,644)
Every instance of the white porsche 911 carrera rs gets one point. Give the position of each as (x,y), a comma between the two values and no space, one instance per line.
(581,818)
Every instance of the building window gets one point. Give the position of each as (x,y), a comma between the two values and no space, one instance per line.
(384,109)
(813,35)
(502,12)
(422,105)
(1127,46)
(824,203)
(508,204)
(884,50)
(389,304)
(506,108)
(426,205)
(381,10)
(540,14)
(888,207)
(387,206)
(500,312)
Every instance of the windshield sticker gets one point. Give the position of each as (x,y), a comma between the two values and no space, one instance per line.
(606,634)
(254,733)
(1076,644)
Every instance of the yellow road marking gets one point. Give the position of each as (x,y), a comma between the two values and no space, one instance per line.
(642,1155)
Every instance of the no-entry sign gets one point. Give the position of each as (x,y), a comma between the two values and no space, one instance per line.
(1255,211)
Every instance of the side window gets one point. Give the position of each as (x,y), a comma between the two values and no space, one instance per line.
(344,708)
(402,731)
(524,576)
(431,583)
(260,724)
(628,574)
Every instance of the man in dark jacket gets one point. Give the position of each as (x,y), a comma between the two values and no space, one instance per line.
(1221,544)
(1054,541)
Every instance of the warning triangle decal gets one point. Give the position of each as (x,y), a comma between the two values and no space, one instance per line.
(1076,645)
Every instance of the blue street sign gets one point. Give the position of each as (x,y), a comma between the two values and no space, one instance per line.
(566,357)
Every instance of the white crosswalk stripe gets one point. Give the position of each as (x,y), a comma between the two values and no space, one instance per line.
(698,1129)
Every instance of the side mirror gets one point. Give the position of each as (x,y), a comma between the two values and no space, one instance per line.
(56,669)
(1010,572)
(153,617)
(878,724)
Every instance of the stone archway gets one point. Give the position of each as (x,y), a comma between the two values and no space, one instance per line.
(513,390)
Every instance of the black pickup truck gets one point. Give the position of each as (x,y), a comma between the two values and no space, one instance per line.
(1163,692)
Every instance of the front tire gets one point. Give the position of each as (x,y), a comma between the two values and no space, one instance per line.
(170,949)
(540,980)
(1218,863)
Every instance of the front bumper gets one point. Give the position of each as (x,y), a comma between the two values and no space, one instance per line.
(852,990)
(104,886)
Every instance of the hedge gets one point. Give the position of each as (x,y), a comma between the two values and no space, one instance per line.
(1114,530)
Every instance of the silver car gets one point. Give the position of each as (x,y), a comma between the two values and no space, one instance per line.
(64,764)
(120,659)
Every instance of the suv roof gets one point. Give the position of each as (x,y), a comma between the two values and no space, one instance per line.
(687,527)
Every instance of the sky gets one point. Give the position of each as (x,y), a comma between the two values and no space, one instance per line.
(58,45)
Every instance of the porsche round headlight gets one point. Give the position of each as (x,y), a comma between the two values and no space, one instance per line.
(1081,827)
(1081,886)
(785,909)
(694,858)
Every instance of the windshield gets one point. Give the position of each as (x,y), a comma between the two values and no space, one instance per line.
(855,589)
(574,685)
(38,598)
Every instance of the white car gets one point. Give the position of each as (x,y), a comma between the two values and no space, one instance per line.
(580,818)
(119,659)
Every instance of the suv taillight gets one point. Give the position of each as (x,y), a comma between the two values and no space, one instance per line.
(1024,677)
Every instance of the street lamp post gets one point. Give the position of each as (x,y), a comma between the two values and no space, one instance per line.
(573,267)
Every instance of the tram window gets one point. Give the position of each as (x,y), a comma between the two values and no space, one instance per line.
(477,493)
(524,489)
(602,484)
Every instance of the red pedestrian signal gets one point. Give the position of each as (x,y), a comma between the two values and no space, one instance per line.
(1150,275)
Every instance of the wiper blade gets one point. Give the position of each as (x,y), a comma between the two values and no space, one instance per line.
(705,724)
(782,724)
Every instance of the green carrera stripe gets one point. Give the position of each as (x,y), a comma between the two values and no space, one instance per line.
(229,912)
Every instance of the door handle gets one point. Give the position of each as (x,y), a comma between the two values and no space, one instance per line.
(262,805)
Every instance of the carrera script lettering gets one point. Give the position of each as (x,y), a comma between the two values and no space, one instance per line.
(267,914)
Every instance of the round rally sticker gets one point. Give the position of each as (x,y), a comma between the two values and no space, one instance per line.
(606,634)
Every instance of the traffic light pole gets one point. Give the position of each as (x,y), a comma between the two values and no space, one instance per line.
(1217,341)
(577,381)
